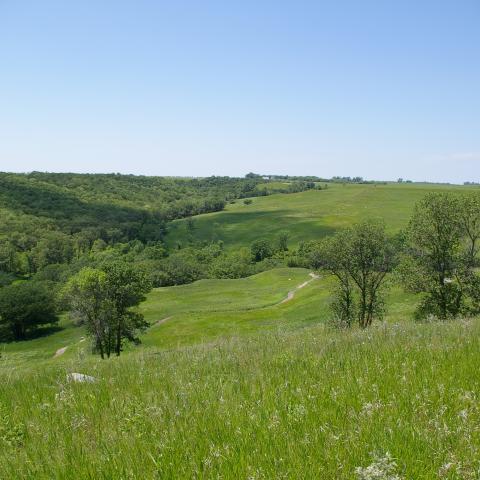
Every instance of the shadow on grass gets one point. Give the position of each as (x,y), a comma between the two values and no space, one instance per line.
(32,335)
(247,226)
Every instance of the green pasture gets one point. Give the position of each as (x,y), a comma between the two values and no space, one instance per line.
(306,215)
(208,310)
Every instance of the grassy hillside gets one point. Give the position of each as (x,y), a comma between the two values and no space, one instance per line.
(307,215)
(244,378)
(305,404)
(208,310)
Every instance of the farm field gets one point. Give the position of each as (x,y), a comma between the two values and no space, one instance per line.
(307,215)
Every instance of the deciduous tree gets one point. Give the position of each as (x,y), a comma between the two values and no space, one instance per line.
(24,307)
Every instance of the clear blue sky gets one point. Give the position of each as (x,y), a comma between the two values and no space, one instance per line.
(380,89)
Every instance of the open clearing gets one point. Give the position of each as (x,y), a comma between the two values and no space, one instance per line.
(307,215)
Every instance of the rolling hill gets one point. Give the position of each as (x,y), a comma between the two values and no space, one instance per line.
(307,215)
(244,378)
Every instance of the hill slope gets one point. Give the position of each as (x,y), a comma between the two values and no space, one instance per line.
(207,310)
(304,404)
(307,215)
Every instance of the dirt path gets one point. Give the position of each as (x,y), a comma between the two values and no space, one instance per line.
(159,322)
(60,351)
(291,293)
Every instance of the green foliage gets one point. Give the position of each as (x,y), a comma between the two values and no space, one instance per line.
(282,241)
(53,248)
(311,254)
(87,297)
(360,258)
(469,216)
(102,300)
(24,307)
(261,249)
(441,250)
(232,265)
(59,218)
(125,288)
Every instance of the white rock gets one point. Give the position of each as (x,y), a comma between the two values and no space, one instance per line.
(80,377)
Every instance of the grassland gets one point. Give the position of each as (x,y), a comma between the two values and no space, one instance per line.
(310,403)
(231,381)
(209,310)
(307,215)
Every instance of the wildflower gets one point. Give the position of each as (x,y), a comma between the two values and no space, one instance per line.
(382,468)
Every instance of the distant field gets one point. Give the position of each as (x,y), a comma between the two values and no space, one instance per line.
(307,215)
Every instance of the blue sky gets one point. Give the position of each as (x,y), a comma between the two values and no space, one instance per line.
(380,89)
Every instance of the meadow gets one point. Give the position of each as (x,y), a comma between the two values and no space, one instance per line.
(306,215)
(209,310)
(247,379)
(399,398)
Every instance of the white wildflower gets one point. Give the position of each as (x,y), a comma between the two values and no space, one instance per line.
(382,468)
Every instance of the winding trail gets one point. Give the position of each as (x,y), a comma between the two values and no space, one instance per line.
(60,351)
(163,320)
(290,296)
(291,293)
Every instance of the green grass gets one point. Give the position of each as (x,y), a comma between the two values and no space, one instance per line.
(307,215)
(16,354)
(310,403)
(231,383)
(208,310)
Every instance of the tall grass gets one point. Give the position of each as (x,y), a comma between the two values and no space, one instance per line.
(301,404)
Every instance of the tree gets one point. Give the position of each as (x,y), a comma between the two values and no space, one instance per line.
(88,300)
(8,256)
(24,307)
(360,257)
(282,241)
(334,253)
(232,265)
(312,254)
(469,215)
(103,298)
(261,249)
(190,226)
(126,288)
(435,262)
(371,258)
(54,247)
